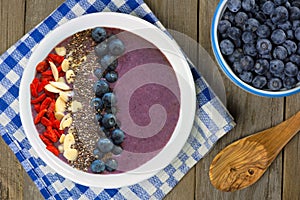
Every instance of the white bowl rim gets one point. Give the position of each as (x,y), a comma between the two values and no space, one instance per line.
(185,80)
(226,68)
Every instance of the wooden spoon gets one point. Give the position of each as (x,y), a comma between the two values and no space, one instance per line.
(243,162)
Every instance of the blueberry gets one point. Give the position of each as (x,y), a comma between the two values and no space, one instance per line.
(268,7)
(298,76)
(289,82)
(238,43)
(235,56)
(109,120)
(247,63)
(98,72)
(97,166)
(296,24)
(259,81)
(275,84)
(297,33)
(228,16)
(261,66)
(99,34)
(266,56)
(285,26)
(295,59)
(116,47)
(294,13)
(111,76)
(296,3)
(237,67)
(109,99)
(260,16)
(270,24)
(117,150)
(264,46)
(280,15)
(234,33)
(278,36)
(101,87)
(98,117)
(263,31)
(240,19)
(252,24)
(111,109)
(234,5)
(223,26)
(276,66)
(111,164)
(97,103)
(279,2)
(290,35)
(105,131)
(280,53)
(291,69)
(109,62)
(105,145)
(248,37)
(249,49)
(227,47)
(248,5)
(246,76)
(290,46)
(117,136)
(101,49)
(98,154)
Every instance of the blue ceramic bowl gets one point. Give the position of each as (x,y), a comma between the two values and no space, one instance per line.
(227,69)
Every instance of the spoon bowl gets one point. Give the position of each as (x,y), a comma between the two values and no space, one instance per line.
(243,162)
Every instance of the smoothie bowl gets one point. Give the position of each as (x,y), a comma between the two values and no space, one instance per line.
(107,100)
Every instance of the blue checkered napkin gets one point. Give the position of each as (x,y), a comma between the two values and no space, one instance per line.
(212,120)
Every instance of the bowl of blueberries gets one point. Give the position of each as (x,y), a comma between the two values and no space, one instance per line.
(257,45)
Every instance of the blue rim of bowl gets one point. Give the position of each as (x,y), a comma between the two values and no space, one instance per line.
(227,70)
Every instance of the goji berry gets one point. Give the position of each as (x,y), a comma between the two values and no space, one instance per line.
(53,149)
(56,133)
(55,58)
(33,90)
(45,140)
(38,99)
(56,124)
(42,66)
(46,103)
(50,94)
(37,107)
(42,84)
(39,116)
(47,73)
(46,122)
(51,136)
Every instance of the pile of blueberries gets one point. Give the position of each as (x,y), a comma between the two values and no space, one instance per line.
(108,48)
(260,40)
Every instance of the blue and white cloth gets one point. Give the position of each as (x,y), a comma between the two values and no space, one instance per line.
(212,120)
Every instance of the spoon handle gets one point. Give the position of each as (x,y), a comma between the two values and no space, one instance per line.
(274,139)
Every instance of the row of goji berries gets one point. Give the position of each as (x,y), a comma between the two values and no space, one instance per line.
(43,102)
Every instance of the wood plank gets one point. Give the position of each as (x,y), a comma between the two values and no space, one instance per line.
(291,175)
(11,23)
(252,114)
(181,18)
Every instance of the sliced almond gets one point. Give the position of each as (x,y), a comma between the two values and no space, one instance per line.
(65,65)
(71,130)
(60,85)
(51,88)
(71,154)
(59,115)
(70,76)
(65,96)
(60,148)
(60,105)
(61,79)
(65,118)
(75,106)
(68,141)
(67,123)
(61,51)
(62,138)
(54,70)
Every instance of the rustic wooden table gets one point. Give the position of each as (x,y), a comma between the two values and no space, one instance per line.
(252,113)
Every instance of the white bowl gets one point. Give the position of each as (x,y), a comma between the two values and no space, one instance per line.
(185,81)
(227,69)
